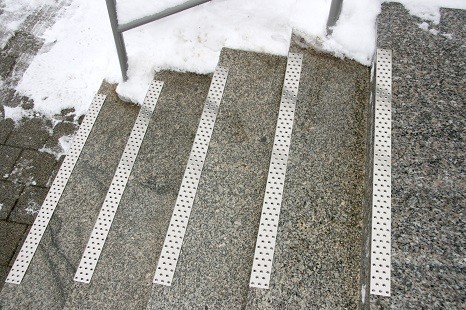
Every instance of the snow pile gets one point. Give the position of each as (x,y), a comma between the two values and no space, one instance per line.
(430,9)
(129,10)
(80,51)
(14,13)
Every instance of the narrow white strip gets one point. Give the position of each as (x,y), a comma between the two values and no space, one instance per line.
(179,221)
(48,207)
(112,200)
(265,245)
(381,196)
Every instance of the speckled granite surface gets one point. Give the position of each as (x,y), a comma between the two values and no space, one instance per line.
(49,279)
(123,276)
(214,265)
(317,255)
(428,160)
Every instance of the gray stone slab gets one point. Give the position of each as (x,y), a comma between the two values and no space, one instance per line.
(214,265)
(33,168)
(10,235)
(49,278)
(8,156)
(317,255)
(123,277)
(3,274)
(9,193)
(6,126)
(30,133)
(428,160)
(28,205)
(62,129)
(18,248)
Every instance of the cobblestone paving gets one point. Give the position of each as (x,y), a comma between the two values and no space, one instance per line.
(30,151)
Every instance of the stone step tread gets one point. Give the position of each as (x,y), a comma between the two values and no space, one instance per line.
(49,278)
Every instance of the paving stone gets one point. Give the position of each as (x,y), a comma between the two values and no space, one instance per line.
(33,168)
(6,126)
(30,133)
(20,244)
(67,115)
(8,157)
(7,63)
(55,170)
(10,236)
(28,205)
(63,133)
(3,274)
(9,193)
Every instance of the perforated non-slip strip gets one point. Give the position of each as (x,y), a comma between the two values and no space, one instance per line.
(381,197)
(107,212)
(174,239)
(29,247)
(265,244)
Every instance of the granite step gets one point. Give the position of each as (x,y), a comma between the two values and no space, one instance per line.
(318,253)
(123,276)
(214,266)
(428,154)
(49,278)
(318,248)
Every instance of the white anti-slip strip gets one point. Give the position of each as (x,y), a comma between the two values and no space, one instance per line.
(112,200)
(179,221)
(265,244)
(381,196)
(26,253)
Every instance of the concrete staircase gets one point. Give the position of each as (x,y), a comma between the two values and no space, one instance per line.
(317,260)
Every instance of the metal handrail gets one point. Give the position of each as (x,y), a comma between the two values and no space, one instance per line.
(333,15)
(117,29)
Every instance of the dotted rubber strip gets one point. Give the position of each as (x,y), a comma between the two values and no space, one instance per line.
(112,200)
(266,237)
(29,247)
(381,197)
(174,239)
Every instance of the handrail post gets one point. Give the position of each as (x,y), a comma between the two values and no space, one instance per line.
(118,36)
(333,15)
